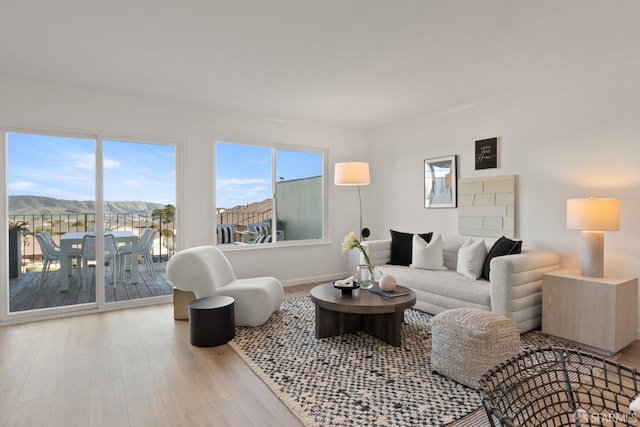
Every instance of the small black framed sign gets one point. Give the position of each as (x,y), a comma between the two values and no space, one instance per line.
(487,153)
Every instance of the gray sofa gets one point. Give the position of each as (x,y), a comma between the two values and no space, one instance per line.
(514,289)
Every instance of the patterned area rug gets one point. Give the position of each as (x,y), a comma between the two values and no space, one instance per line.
(355,379)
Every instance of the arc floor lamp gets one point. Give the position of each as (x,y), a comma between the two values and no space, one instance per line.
(353,174)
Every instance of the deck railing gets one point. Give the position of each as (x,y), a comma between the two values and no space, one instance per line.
(242,219)
(59,224)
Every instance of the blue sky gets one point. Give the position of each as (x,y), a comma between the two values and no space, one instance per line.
(64,168)
(243,172)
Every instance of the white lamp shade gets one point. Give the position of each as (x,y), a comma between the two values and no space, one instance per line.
(593,214)
(351,173)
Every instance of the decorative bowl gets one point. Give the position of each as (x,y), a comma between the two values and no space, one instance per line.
(346,290)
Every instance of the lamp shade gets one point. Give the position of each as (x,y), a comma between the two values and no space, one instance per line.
(351,173)
(593,214)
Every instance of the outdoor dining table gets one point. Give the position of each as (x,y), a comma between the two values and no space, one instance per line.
(69,240)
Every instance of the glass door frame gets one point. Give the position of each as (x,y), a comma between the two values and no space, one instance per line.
(99,304)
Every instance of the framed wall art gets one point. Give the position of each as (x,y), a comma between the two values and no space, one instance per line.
(440,182)
(487,153)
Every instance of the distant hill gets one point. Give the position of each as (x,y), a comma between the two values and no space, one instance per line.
(35,205)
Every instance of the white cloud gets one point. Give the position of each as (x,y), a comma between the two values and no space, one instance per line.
(21,185)
(224,182)
(111,164)
(82,160)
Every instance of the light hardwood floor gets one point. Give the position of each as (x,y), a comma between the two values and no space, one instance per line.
(135,368)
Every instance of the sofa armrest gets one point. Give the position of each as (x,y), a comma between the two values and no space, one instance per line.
(516,282)
(379,251)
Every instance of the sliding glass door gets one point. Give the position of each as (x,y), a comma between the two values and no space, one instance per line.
(75,200)
(139,209)
(51,193)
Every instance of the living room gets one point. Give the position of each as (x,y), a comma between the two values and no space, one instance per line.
(557,84)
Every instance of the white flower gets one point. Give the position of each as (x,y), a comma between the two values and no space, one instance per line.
(350,242)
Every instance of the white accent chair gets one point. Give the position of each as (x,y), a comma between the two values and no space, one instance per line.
(205,271)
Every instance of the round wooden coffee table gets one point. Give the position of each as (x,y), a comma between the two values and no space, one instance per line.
(378,316)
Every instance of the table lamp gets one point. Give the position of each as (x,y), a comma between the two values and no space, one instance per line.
(353,173)
(594,217)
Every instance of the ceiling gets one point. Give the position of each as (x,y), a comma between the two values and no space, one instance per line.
(354,63)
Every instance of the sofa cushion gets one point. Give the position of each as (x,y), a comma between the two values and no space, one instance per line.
(427,256)
(471,258)
(401,246)
(448,284)
(501,247)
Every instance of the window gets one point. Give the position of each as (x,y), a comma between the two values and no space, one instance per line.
(266,195)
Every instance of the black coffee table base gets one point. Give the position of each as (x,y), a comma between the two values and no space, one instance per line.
(386,327)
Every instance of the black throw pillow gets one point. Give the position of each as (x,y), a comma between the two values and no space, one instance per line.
(401,246)
(502,246)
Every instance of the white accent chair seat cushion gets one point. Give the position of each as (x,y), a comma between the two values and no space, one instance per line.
(205,271)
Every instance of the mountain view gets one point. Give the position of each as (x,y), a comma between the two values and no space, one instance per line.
(30,205)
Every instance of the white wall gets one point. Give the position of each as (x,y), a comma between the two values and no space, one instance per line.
(577,138)
(34,105)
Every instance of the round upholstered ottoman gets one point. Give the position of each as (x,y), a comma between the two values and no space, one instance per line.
(465,342)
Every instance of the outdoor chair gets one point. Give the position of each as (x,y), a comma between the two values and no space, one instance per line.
(50,239)
(260,229)
(205,271)
(145,246)
(89,253)
(226,233)
(51,253)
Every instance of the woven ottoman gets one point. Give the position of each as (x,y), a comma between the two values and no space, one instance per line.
(466,342)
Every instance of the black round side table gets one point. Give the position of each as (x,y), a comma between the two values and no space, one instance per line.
(211,321)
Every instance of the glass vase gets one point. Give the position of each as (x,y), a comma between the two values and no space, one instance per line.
(365,276)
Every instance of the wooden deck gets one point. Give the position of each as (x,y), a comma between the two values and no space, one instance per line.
(25,295)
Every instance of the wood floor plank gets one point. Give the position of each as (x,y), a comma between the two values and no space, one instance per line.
(41,381)
(32,412)
(11,381)
(144,402)
(136,367)
(71,407)
(108,406)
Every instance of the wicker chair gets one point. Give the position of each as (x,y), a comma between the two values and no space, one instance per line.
(556,386)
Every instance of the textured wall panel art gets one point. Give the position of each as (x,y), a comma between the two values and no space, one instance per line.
(487,206)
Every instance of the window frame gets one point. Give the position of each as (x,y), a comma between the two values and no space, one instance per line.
(274,147)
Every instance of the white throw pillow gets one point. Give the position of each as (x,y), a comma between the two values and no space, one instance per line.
(427,256)
(471,257)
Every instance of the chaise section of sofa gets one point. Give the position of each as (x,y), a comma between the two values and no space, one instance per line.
(514,288)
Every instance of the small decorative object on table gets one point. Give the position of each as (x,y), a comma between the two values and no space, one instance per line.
(387,282)
(365,276)
(366,272)
(346,286)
